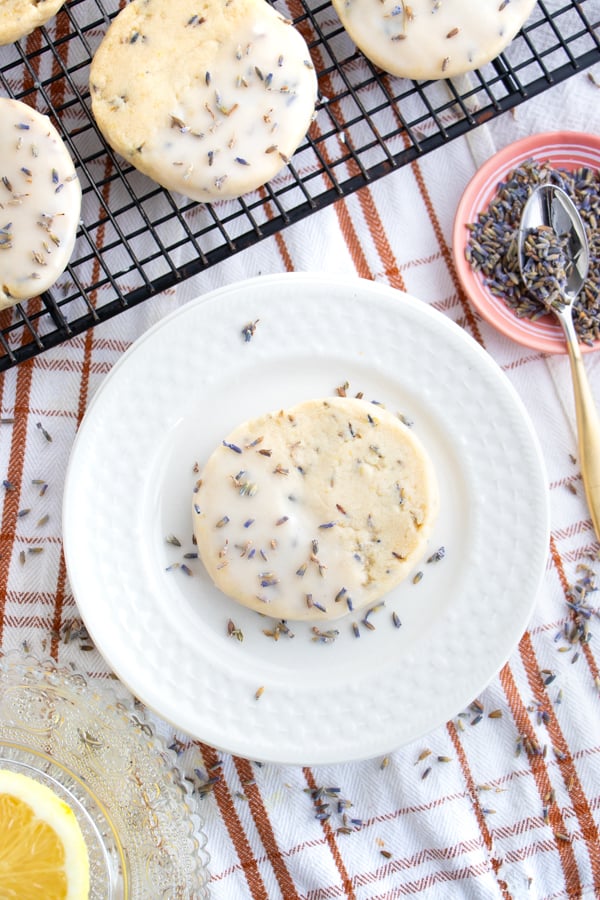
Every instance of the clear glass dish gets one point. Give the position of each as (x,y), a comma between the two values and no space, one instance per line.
(97,751)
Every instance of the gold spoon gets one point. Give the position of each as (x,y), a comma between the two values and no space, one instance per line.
(551,217)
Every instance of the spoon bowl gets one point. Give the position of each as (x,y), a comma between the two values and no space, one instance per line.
(554,262)
(551,216)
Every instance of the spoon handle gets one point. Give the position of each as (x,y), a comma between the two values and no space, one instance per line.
(588,428)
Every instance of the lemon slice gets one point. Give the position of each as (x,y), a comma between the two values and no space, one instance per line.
(43,855)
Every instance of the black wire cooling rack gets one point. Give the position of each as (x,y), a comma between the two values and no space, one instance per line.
(137,239)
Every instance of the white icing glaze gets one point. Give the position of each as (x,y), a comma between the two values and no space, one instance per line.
(432,38)
(315,511)
(40,202)
(210,109)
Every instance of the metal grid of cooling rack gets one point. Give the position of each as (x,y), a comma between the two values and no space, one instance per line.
(137,239)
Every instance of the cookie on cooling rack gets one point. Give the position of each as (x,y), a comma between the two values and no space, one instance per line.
(40,203)
(209,100)
(315,511)
(20,17)
(432,39)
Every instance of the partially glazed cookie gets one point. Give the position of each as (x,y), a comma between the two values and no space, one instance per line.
(19,18)
(315,511)
(40,203)
(430,39)
(210,100)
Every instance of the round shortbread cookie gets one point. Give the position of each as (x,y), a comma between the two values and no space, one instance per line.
(19,18)
(210,100)
(430,39)
(315,511)
(40,203)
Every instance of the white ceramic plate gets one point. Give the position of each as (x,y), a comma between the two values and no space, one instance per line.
(176,394)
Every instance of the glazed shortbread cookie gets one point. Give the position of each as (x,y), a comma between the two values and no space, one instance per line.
(40,203)
(429,39)
(20,17)
(315,511)
(209,100)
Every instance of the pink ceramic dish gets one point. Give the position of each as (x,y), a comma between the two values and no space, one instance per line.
(562,149)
